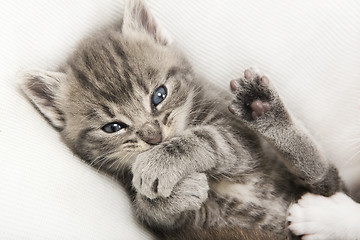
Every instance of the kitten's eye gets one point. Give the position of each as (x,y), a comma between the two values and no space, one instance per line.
(113,127)
(159,95)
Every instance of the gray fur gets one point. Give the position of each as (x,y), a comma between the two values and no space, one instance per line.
(188,161)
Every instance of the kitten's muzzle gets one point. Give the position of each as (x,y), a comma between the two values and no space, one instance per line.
(150,133)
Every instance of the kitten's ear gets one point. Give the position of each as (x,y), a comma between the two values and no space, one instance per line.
(42,88)
(138,18)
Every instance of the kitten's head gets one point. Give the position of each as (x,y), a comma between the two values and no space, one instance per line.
(123,91)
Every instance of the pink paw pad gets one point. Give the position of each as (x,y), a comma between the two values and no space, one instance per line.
(253,94)
(248,74)
(265,81)
(234,84)
(259,108)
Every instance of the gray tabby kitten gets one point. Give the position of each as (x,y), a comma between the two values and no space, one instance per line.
(128,102)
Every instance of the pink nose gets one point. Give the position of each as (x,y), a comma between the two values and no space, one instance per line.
(150,133)
(155,139)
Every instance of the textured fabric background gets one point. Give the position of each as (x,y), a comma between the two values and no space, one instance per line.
(310,49)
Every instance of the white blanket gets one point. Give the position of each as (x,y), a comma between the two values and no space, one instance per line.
(310,49)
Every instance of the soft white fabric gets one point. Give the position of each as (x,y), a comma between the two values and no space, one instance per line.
(310,49)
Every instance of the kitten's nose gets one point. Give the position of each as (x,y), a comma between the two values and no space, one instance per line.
(150,133)
(155,139)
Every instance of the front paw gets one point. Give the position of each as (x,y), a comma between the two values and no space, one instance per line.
(154,175)
(191,192)
(255,100)
(188,195)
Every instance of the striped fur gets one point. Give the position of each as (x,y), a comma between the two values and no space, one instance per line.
(212,169)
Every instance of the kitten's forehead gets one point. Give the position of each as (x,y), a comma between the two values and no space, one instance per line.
(117,68)
(117,75)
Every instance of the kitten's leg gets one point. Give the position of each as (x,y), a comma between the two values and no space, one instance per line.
(199,149)
(259,107)
(189,194)
(317,217)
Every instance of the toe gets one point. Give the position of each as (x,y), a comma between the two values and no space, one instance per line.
(234,85)
(265,81)
(231,109)
(248,74)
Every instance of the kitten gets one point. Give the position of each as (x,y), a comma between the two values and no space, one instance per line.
(128,102)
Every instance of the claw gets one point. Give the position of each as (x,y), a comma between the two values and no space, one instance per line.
(155,186)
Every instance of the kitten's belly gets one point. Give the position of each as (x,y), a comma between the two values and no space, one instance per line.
(246,192)
(247,205)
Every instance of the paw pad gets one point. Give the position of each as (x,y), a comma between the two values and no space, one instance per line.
(259,108)
(252,95)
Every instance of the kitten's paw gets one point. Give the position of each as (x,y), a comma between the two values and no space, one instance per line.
(318,217)
(255,99)
(152,175)
(191,192)
(252,93)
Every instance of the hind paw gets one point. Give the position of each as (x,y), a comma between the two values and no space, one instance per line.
(316,217)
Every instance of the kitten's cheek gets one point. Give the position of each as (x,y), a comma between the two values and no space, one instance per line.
(144,149)
(167,134)
(132,159)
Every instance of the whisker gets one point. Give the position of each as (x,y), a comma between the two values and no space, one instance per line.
(121,164)
(118,158)
(102,159)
